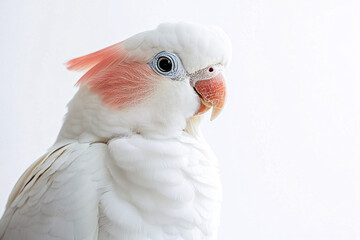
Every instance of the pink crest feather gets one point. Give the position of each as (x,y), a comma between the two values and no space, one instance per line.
(119,81)
(88,61)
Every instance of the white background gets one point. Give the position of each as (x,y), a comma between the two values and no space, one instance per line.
(288,140)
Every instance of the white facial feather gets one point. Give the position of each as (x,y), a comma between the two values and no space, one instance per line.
(197,46)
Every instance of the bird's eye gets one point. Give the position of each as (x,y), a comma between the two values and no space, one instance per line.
(164,64)
(169,65)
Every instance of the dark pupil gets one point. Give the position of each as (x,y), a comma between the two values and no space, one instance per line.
(164,64)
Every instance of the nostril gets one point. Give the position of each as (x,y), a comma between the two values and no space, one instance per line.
(211,69)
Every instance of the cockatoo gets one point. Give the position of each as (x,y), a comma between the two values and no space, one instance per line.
(130,162)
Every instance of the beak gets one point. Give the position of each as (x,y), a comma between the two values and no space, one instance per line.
(212,93)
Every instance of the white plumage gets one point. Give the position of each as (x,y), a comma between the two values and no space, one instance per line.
(198,46)
(135,172)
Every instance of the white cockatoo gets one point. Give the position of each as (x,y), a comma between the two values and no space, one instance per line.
(130,162)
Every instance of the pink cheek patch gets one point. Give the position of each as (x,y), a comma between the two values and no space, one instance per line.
(113,76)
(123,85)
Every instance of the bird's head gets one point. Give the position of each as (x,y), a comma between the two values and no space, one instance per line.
(161,77)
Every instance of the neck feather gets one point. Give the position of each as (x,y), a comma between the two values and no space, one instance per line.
(89,119)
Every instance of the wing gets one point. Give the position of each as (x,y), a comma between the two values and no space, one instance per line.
(57,197)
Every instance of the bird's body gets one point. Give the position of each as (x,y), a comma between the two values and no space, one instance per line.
(130,162)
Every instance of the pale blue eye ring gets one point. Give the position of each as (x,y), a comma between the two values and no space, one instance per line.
(168,64)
